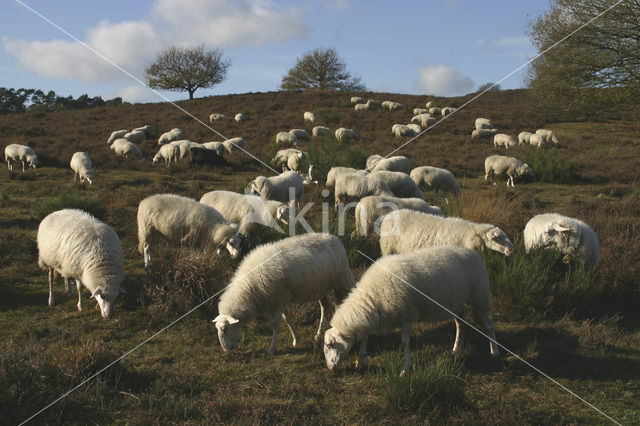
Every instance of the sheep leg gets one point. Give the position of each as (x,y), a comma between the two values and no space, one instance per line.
(406,333)
(275,322)
(79,287)
(362,354)
(75,175)
(321,302)
(51,302)
(486,325)
(294,334)
(458,342)
(23,166)
(147,255)
(67,286)
(435,197)
(9,165)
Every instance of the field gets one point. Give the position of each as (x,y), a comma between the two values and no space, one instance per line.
(581,329)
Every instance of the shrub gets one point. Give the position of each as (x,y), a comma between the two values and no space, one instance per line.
(328,152)
(547,167)
(328,115)
(93,206)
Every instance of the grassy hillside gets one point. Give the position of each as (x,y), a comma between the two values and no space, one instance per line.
(580,328)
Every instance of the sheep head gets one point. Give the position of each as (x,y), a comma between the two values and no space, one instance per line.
(525,169)
(554,234)
(496,239)
(336,347)
(106,299)
(229,329)
(231,243)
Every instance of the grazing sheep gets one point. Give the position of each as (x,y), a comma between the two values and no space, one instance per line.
(406,230)
(361,107)
(135,136)
(425,120)
(247,210)
(570,236)
(415,127)
(373,103)
(438,179)
(399,130)
(399,290)
(297,269)
(217,117)
(483,123)
(184,221)
(144,129)
(215,146)
(435,110)
(309,116)
(370,209)
(279,187)
(334,172)
(290,159)
(397,163)
(483,133)
(548,135)
(523,137)
(22,153)
(512,167)
(124,148)
(447,110)
(116,135)
(169,152)
(352,187)
(502,139)
(344,135)
(399,183)
(429,104)
(320,131)
(77,245)
(356,99)
(301,134)
(239,117)
(372,160)
(392,106)
(286,138)
(174,134)
(537,140)
(82,167)
(418,111)
(234,144)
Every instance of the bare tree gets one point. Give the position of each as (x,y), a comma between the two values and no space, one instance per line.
(322,69)
(187,69)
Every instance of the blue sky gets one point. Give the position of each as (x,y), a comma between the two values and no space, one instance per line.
(437,47)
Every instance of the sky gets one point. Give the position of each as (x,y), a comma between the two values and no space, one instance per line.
(430,47)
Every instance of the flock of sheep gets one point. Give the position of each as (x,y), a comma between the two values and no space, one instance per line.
(423,252)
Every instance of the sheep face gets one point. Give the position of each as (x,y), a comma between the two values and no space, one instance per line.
(496,239)
(525,169)
(89,177)
(554,235)
(229,329)
(232,244)
(283,213)
(336,348)
(106,300)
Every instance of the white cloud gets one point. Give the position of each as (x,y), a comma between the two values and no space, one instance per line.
(136,94)
(442,80)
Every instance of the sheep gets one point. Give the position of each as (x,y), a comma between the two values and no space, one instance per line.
(435,110)
(144,129)
(397,163)
(168,152)
(334,172)
(537,140)
(82,167)
(309,116)
(438,179)
(392,106)
(373,103)
(429,104)
(548,135)
(124,148)
(290,159)
(370,209)
(418,111)
(135,136)
(432,284)
(406,230)
(174,134)
(320,131)
(425,120)
(372,160)
(415,127)
(483,123)
(298,269)
(23,153)
(399,183)
(502,139)
(77,245)
(184,221)
(523,137)
(356,99)
(355,186)
(217,117)
(483,133)
(344,135)
(399,130)
(280,187)
(286,138)
(116,135)
(572,237)
(234,144)
(216,146)
(447,110)
(301,134)
(361,107)
(239,117)
(512,167)
(247,210)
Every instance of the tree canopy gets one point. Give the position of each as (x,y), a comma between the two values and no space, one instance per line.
(321,69)
(187,69)
(21,100)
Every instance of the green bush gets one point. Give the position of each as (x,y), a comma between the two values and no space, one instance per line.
(547,167)
(328,152)
(93,206)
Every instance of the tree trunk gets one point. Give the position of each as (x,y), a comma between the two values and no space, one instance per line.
(191,92)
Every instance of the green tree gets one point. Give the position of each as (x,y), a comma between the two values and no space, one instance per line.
(321,69)
(599,64)
(492,87)
(187,69)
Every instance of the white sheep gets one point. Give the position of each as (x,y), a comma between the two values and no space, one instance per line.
(169,152)
(425,120)
(392,106)
(273,276)
(286,138)
(483,123)
(345,135)
(125,148)
(523,137)
(247,210)
(353,187)
(447,110)
(406,230)
(502,139)
(537,140)
(239,117)
(356,99)
(399,183)
(135,136)
(77,245)
(572,237)
(399,130)
(415,127)
(373,103)
(217,117)
(116,135)
(234,144)
(320,131)
(334,172)
(429,104)
(82,167)
(184,221)
(290,159)
(483,133)
(23,153)
(399,290)
(496,165)
(438,179)
(397,163)
(548,135)
(435,110)
(372,160)
(370,209)
(216,146)
(309,116)
(418,111)
(144,129)
(361,107)
(174,134)
(280,188)
(301,134)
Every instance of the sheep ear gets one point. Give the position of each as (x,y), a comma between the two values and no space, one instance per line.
(560,228)
(218,318)
(232,320)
